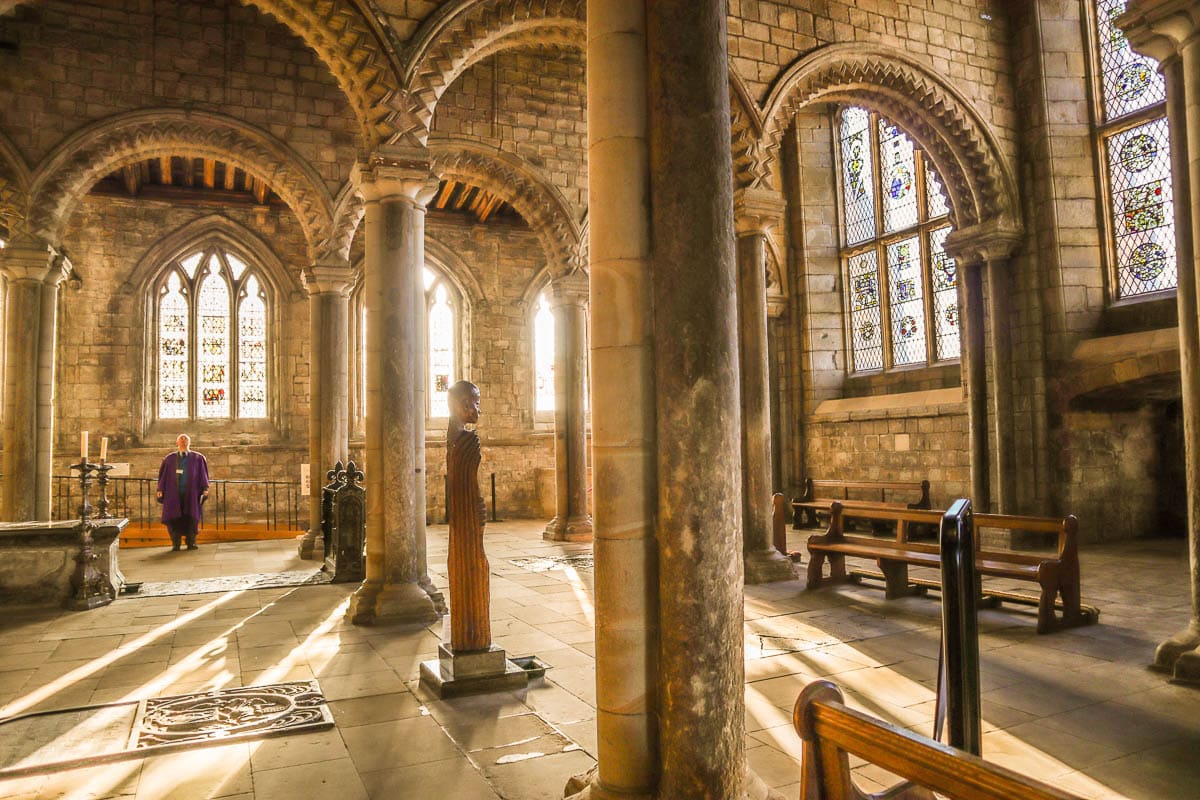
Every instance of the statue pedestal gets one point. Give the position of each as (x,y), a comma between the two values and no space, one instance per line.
(471,672)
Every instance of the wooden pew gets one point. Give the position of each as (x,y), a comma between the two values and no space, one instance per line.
(819,493)
(1056,573)
(832,733)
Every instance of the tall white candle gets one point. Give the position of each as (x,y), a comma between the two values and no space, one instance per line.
(103,448)
(83,448)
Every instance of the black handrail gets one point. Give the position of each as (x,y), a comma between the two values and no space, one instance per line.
(958,671)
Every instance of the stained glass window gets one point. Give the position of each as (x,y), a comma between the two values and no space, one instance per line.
(213,357)
(441,352)
(902,292)
(212,338)
(1136,145)
(543,356)
(252,351)
(173,350)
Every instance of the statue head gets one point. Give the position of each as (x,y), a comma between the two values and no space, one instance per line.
(463,399)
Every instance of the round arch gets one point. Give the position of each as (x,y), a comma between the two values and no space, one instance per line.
(956,139)
(355,52)
(464,32)
(746,124)
(76,164)
(536,199)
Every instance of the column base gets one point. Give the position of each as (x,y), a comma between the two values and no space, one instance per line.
(310,546)
(1180,655)
(395,603)
(587,786)
(768,566)
(574,529)
(456,674)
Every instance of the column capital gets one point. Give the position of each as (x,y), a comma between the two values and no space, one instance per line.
(987,241)
(30,259)
(1160,28)
(570,289)
(395,172)
(329,276)
(757,210)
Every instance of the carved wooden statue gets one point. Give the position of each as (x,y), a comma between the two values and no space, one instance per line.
(470,592)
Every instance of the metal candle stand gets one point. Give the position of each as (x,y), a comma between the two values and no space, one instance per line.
(89,588)
(102,481)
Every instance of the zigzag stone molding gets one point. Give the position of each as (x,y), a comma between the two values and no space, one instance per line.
(451,42)
(962,148)
(72,170)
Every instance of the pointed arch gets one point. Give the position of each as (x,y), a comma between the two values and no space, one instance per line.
(356,53)
(464,32)
(537,200)
(940,119)
(14,187)
(76,164)
(746,124)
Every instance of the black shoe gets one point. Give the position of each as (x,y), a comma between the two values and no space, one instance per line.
(193,547)
(175,547)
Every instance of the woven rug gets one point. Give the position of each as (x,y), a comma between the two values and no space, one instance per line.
(232,583)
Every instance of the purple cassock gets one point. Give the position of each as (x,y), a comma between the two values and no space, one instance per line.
(195,481)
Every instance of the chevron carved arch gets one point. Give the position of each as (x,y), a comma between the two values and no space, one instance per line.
(71,170)
(745,123)
(464,32)
(523,187)
(362,64)
(14,188)
(942,121)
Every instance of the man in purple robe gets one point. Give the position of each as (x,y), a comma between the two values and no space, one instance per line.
(182,490)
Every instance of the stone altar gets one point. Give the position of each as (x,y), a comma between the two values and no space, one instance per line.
(39,559)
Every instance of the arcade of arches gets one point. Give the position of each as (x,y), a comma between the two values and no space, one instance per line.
(691,253)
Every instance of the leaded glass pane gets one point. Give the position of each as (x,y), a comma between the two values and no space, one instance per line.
(945,296)
(1131,81)
(1139,168)
(441,353)
(898,166)
(252,352)
(907,311)
(236,266)
(935,193)
(857,182)
(428,277)
(213,359)
(173,350)
(866,339)
(543,354)
(190,263)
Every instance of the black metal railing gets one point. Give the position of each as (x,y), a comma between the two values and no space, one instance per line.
(958,669)
(276,504)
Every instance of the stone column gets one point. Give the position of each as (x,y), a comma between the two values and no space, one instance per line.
(1166,30)
(328,285)
(396,184)
(999,308)
(34,275)
(755,212)
(622,350)
(568,301)
(974,371)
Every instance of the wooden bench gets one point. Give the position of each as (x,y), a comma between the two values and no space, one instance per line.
(832,733)
(1056,573)
(818,494)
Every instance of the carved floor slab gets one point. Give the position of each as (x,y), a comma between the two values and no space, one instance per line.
(54,740)
(232,583)
(579,561)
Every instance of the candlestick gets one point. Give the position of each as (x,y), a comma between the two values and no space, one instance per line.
(103,448)
(83,448)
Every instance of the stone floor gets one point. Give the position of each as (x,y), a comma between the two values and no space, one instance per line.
(1077,708)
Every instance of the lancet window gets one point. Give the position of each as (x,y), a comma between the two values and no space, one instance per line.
(543,355)
(1136,154)
(901,286)
(212,338)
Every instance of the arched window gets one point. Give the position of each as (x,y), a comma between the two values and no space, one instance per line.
(1136,152)
(543,356)
(441,365)
(902,301)
(212,338)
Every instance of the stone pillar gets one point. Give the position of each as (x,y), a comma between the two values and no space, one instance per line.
(396,184)
(974,371)
(755,212)
(622,360)
(329,285)
(1166,30)
(999,310)
(34,275)
(568,301)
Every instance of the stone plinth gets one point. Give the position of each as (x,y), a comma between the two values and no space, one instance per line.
(37,559)
(454,674)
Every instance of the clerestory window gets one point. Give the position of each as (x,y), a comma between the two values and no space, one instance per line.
(212,338)
(1135,149)
(901,286)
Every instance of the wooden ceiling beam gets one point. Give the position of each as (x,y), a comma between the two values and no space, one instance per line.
(210,174)
(164,164)
(130,176)
(230,177)
(260,191)
(445,193)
